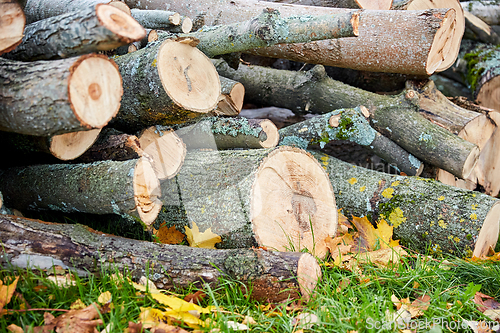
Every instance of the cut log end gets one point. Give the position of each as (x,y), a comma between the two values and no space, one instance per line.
(121,6)
(69,146)
(271,132)
(12,22)
(175,19)
(489,94)
(308,275)
(188,76)
(146,191)
(120,23)
(237,95)
(292,204)
(166,150)
(375,4)
(95,90)
(355,24)
(187,25)
(488,236)
(442,46)
(470,162)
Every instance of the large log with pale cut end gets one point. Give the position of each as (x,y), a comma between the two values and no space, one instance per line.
(230,133)
(351,125)
(108,187)
(488,11)
(362,4)
(395,42)
(269,28)
(278,198)
(393,116)
(36,10)
(92,29)
(166,83)
(408,42)
(480,128)
(63,96)
(478,30)
(166,150)
(11,25)
(425,214)
(273,276)
(65,147)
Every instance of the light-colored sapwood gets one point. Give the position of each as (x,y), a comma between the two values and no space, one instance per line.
(12,22)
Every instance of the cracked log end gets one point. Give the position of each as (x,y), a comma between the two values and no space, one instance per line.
(308,275)
(95,90)
(188,76)
(355,24)
(120,23)
(69,146)
(12,22)
(489,94)
(271,133)
(166,150)
(292,203)
(452,47)
(375,4)
(488,236)
(470,162)
(442,46)
(146,191)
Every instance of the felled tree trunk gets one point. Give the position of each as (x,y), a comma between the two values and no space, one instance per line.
(167,83)
(36,10)
(274,276)
(426,215)
(96,28)
(65,147)
(165,148)
(269,28)
(392,116)
(278,198)
(488,11)
(232,97)
(351,125)
(64,96)
(163,20)
(112,145)
(12,22)
(230,133)
(108,187)
(480,128)
(394,42)
(362,4)
(479,30)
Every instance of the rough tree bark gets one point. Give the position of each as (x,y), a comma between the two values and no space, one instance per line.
(107,187)
(426,215)
(269,28)
(65,147)
(351,125)
(279,198)
(488,11)
(392,116)
(230,133)
(274,276)
(162,20)
(166,83)
(381,34)
(165,148)
(12,22)
(47,98)
(362,4)
(96,28)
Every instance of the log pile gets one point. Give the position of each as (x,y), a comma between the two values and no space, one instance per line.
(132,108)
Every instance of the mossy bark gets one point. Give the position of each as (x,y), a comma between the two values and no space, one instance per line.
(428,216)
(274,276)
(393,116)
(76,33)
(146,101)
(105,187)
(223,191)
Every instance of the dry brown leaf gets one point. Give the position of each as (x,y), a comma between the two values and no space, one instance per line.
(6,292)
(415,309)
(73,321)
(485,302)
(382,257)
(206,239)
(169,235)
(62,281)
(15,329)
(197,297)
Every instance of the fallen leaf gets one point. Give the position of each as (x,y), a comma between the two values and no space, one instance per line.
(77,305)
(485,302)
(150,317)
(6,292)
(73,321)
(249,321)
(382,257)
(105,297)
(371,238)
(15,329)
(169,235)
(236,326)
(62,281)
(493,314)
(197,297)
(414,309)
(305,320)
(206,239)
(148,284)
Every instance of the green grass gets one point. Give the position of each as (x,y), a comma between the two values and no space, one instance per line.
(359,306)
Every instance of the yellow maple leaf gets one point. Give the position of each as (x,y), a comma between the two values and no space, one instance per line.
(150,317)
(169,235)
(104,297)
(6,292)
(206,239)
(371,238)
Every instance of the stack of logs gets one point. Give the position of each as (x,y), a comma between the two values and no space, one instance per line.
(110,110)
